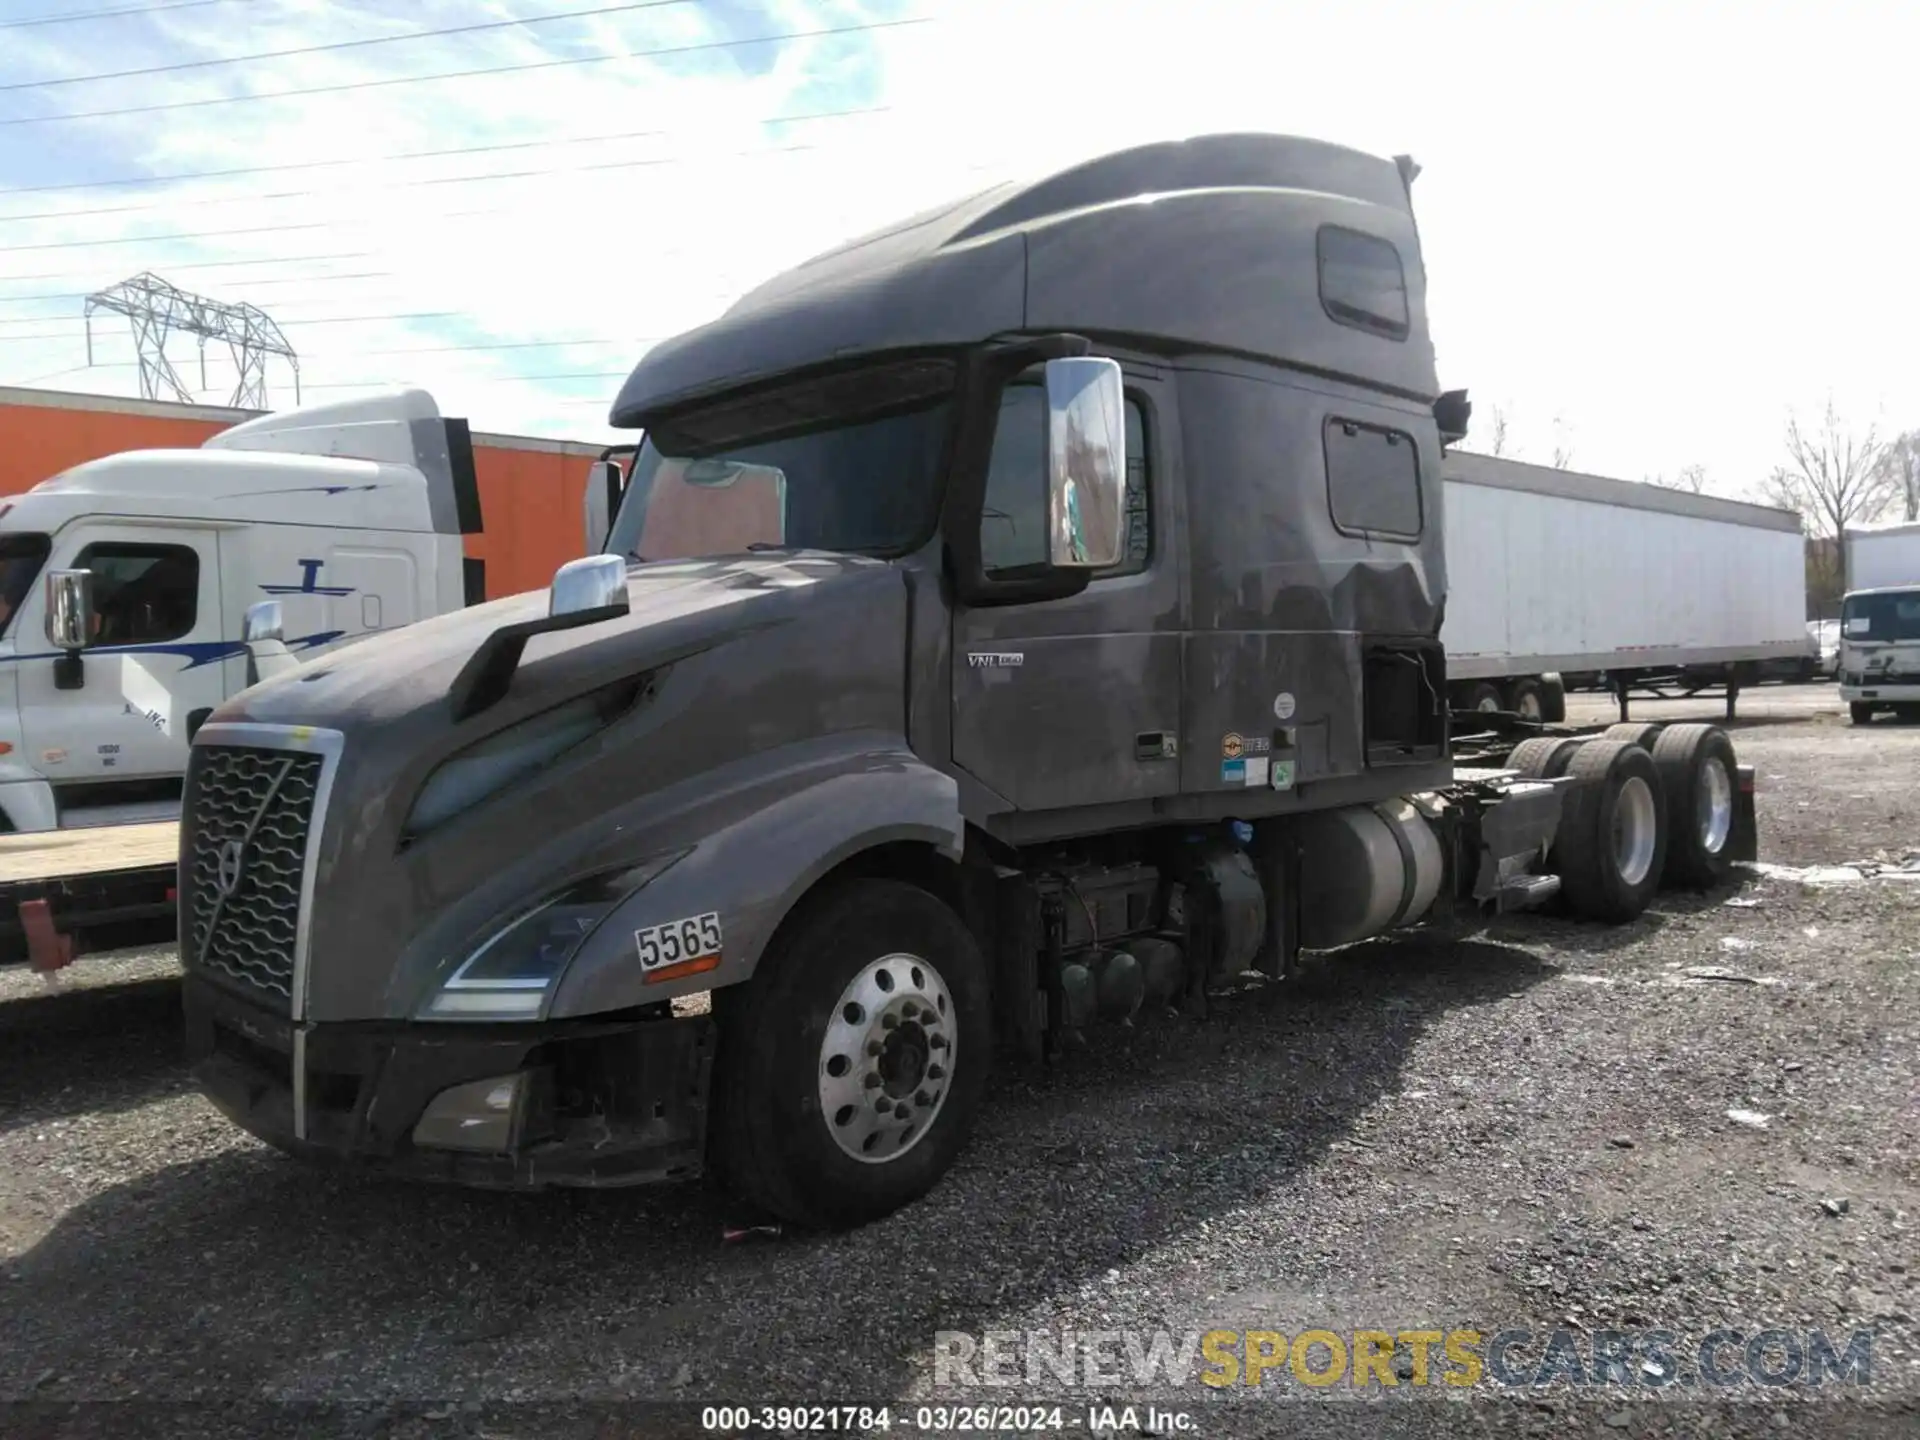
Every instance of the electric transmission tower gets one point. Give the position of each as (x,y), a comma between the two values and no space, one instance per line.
(157,309)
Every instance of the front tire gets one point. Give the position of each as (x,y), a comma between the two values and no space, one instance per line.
(873,991)
(1859,713)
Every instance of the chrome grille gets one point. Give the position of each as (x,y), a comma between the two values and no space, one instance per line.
(250,812)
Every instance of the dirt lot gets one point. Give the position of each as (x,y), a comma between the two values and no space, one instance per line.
(1529,1128)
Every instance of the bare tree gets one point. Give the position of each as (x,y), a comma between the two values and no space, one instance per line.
(1834,478)
(1562,444)
(1692,479)
(1901,461)
(1497,437)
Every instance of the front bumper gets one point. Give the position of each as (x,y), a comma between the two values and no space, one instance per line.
(1868,691)
(607,1103)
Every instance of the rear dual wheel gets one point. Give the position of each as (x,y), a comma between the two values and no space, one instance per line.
(1611,847)
(1699,776)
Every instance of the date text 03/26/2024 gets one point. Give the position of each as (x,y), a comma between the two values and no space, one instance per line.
(942,1419)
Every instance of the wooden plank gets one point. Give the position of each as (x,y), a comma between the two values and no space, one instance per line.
(94,850)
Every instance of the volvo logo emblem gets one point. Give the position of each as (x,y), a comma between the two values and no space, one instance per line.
(228,875)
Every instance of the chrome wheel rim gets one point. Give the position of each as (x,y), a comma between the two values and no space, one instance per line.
(1530,705)
(1713,806)
(886,1061)
(1636,829)
(1489,704)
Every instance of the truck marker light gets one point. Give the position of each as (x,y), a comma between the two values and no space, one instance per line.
(683,969)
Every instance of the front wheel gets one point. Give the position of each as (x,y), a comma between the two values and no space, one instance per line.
(1860,714)
(850,1067)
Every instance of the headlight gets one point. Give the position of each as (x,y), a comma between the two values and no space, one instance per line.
(469,777)
(511,973)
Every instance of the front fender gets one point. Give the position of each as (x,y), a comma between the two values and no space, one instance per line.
(757,862)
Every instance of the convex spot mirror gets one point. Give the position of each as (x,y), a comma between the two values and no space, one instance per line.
(1086,463)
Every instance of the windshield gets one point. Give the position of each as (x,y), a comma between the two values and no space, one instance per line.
(21,556)
(858,479)
(1894,615)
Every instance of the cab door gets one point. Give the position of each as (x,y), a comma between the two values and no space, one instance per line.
(1065,703)
(154,660)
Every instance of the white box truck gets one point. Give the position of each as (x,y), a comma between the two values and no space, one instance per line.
(1556,577)
(1880,623)
(349,515)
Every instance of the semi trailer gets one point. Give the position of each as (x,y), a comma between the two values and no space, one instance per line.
(1003,625)
(1557,580)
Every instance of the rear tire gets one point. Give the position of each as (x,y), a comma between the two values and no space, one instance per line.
(1633,732)
(1611,846)
(1544,756)
(1553,700)
(1699,777)
(892,953)
(1860,714)
(1526,698)
(1484,696)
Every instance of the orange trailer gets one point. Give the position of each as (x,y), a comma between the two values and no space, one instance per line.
(531,489)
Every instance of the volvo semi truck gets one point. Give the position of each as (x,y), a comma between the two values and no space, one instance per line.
(1005,624)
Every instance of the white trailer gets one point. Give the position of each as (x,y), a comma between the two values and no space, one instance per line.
(1883,557)
(1557,577)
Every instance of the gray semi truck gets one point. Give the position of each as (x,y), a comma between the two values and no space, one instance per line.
(1012,621)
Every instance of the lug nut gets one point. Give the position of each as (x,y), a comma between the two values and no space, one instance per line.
(936,1072)
(900,1112)
(888,1022)
(872,1080)
(873,1047)
(923,1099)
(937,1041)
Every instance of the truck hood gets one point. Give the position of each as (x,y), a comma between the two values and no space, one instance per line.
(384,680)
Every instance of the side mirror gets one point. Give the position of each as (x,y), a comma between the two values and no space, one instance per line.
(69,624)
(264,620)
(1086,463)
(597,583)
(69,609)
(604,484)
(263,630)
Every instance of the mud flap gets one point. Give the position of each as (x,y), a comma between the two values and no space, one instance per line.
(1744,843)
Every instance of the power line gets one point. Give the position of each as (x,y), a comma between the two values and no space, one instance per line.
(470,74)
(360,44)
(483,380)
(287,226)
(490,346)
(251,285)
(413,184)
(107,14)
(421,154)
(55,275)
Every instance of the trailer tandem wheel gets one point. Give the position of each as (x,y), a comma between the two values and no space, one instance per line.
(1633,732)
(1544,756)
(1698,775)
(1611,847)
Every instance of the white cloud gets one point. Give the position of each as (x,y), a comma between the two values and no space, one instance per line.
(1657,225)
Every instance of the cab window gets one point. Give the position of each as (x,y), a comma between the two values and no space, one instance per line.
(1013,521)
(21,556)
(142,594)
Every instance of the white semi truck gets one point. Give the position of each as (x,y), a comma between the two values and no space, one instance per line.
(125,583)
(1880,623)
(1558,578)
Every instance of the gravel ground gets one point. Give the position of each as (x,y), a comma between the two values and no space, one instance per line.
(1528,1128)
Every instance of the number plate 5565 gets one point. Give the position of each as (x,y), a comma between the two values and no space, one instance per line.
(677,941)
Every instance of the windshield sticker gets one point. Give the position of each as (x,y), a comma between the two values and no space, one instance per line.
(1283,706)
(1233,772)
(1231,746)
(1256,772)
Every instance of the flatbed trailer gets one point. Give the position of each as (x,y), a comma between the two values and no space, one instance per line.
(63,891)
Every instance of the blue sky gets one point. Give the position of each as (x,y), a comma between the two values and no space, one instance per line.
(1651,229)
